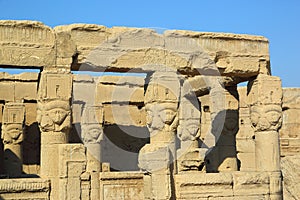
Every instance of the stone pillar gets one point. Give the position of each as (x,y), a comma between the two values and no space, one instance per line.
(265,98)
(54,118)
(159,157)
(92,136)
(12,135)
(190,156)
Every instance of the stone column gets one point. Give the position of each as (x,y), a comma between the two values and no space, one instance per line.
(54,118)
(12,135)
(159,157)
(265,97)
(92,136)
(190,156)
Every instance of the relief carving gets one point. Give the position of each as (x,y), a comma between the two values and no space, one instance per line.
(161,117)
(12,133)
(13,118)
(92,124)
(54,116)
(189,130)
(266,118)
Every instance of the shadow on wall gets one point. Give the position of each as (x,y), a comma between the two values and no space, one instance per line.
(223,156)
(31,145)
(122,145)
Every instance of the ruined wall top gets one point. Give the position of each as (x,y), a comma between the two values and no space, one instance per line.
(33,44)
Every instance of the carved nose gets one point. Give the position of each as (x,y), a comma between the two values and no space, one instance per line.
(157,123)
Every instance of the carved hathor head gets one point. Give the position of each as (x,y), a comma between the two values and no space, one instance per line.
(161,100)
(54,115)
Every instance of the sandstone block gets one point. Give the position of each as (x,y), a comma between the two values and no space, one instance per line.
(122,80)
(26,90)
(265,90)
(194,185)
(247,161)
(7,91)
(124,115)
(291,98)
(291,174)
(30,113)
(125,94)
(72,160)
(25,188)
(84,92)
(251,183)
(55,86)
(26,43)
(121,185)
(245,145)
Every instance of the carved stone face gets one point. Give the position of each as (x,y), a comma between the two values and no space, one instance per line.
(58,115)
(12,133)
(92,133)
(160,114)
(188,129)
(54,116)
(267,117)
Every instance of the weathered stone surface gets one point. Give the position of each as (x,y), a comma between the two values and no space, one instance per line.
(267,151)
(124,115)
(193,185)
(290,130)
(119,94)
(251,183)
(121,185)
(186,96)
(26,43)
(265,90)
(84,89)
(32,188)
(290,170)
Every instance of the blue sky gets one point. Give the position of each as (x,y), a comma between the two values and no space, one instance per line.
(279,21)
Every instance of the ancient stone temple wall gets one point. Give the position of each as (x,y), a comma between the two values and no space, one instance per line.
(170,124)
